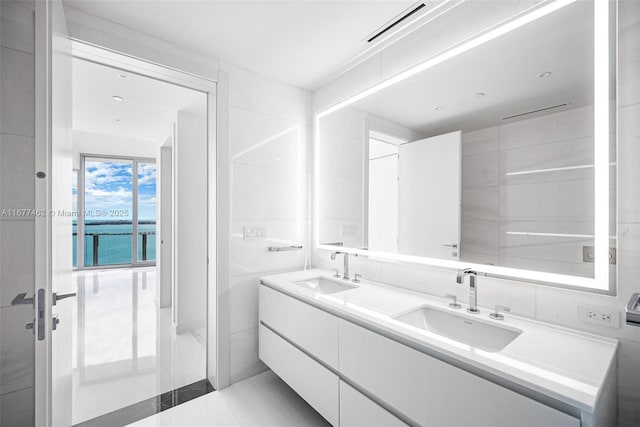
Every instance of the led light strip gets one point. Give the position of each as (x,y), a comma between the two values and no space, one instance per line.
(601,141)
(531,233)
(566,168)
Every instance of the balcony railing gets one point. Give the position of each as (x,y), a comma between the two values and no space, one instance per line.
(95,243)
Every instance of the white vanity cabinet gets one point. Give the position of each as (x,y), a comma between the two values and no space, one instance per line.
(356,377)
(432,392)
(357,410)
(312,381)
(311,329)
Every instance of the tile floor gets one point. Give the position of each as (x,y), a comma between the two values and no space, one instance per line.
(126,349)
(262,400)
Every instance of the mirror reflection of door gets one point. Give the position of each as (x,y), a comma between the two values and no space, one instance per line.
(429,197)
(406,181)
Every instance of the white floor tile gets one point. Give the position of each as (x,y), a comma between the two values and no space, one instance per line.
(262,400)
(126,349)
(208,410)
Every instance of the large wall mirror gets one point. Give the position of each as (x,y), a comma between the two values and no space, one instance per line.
(498,154)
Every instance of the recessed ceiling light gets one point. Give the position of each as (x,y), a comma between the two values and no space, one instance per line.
(439,107)
(479,95)
(123,76)
(117,98)
(545,74)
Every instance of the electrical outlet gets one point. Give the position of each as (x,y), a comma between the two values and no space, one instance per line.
(254,232)
(603,316)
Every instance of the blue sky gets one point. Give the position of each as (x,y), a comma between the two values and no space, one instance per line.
(108,186)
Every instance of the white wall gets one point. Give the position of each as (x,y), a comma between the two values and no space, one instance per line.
(86,27)
(109,145)
(17,190)
(547,304)
(269,128)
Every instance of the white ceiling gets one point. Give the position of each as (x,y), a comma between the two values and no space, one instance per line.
(146,113)
(506,70)
(302,43)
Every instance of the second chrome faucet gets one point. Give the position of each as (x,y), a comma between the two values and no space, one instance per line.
(473,288)
(345,276)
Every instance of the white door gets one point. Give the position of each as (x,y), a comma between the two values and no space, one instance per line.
(53,228)
(429,197)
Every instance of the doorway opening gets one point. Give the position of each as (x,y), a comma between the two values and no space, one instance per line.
(139,324)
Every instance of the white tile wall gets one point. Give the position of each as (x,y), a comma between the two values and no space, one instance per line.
(243,302)
(269,140)
(557,202)
(243,348)
(628,53)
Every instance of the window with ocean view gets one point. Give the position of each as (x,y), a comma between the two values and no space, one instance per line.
(118,212)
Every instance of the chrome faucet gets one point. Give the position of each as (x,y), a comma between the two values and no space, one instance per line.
(473,288)
(345,276)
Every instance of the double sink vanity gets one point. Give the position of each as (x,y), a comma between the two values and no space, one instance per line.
(365,353)
(494,156)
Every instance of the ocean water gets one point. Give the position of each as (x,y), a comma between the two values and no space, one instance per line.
(115,243)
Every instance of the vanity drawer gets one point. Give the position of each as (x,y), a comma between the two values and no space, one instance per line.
(317,385)
(432,392)
(310,328)
(357,410)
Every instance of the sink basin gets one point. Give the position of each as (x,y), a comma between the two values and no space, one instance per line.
(325,286)
(478,333)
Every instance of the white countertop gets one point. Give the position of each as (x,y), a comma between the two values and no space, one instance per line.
(563,364)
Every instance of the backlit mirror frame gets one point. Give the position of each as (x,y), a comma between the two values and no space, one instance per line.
(601,282)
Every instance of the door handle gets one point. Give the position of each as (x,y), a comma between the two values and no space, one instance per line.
(57,297)
(455,245)
(20,299)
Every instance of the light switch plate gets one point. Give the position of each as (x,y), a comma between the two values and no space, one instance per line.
(596,315)
(254,232)
(347,229)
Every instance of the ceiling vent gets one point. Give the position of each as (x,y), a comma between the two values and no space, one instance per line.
(536,111)
(395,21)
